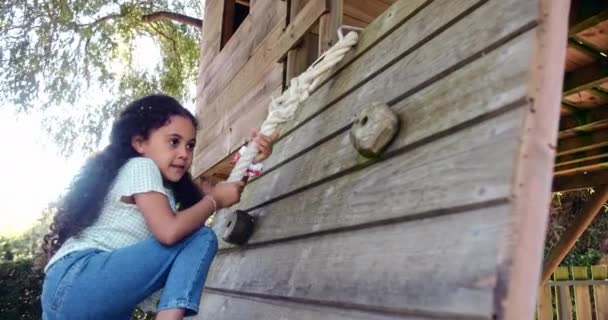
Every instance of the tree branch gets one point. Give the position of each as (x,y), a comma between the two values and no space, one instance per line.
(153,17)
(172,16)
(100,20)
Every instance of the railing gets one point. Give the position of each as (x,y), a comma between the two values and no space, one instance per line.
(575,293)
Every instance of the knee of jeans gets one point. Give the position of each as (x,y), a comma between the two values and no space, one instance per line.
(207,234)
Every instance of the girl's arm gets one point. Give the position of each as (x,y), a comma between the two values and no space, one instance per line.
(170,228)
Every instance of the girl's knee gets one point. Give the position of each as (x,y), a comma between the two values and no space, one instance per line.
(207,236)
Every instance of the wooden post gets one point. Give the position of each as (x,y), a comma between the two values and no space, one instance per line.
(564,302)
(582,299)
(299,58)
(600,291)
(577,228)
(545,303)
(329,24)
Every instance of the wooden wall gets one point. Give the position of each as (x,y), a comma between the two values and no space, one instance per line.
(233,98)
(442,226)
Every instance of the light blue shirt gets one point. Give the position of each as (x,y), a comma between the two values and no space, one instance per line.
(120,224)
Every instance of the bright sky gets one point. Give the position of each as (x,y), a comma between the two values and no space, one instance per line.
(32,171)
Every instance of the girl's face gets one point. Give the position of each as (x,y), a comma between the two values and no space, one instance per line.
(171,147)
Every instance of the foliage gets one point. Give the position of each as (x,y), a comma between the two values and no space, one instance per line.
(25,246)
(564,208)
(20,283)
(19,290)
(61,56)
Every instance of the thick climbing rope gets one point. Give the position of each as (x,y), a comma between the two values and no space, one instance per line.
(281,109)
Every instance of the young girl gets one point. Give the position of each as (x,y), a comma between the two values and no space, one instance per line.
(133,221)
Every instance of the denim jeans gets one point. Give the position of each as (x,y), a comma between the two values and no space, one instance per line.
(93,284)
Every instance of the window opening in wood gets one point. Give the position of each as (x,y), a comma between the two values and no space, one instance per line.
(235,12)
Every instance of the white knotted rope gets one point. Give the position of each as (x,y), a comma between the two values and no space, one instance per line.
(281,109)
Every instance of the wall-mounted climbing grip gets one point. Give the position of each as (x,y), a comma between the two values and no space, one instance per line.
(375,127)
(238,227)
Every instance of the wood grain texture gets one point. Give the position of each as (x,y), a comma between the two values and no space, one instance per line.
(503,68)
(264,16)
(221,305)
(212,145)
(564,302)
(580,181)
(210,39)
(425,181)
(523,245)
(413,69)
(274,47)
(413,268)
(600,292)
(582,299)
(545,303)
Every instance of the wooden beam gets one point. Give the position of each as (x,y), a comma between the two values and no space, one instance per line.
(580,181)
(579,225)
(583,118)
(524,239)
(299,58)
(329,24)
(593,166)
(264,16)
(274,47)
(584,129)
(586,77)
(588,23)
(211,39)
(581,159)
(582,142)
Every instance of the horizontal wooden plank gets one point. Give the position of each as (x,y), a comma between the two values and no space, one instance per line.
(211,36)
(576,58)
(421,267)
(583,142)
(424,114)
(594,165)
(585,78)
(364,10)
(213,151)
(464,169)
(584,128)
(501,86)
(383,25)
(253,111)
(406,76)
(587,156)
(218,305)
(264,16)
(580,181)
(582,118)
(264,58)
(242,117)
(585,99)
(429,19)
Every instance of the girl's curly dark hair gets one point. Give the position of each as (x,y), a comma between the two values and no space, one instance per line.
(82,204)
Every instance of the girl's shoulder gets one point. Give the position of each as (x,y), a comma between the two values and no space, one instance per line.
(140,164)
(139,171)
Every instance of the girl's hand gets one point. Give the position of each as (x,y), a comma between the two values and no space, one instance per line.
(227,193)
(264,145)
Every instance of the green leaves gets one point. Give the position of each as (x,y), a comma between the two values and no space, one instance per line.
(564,209)
(57,54)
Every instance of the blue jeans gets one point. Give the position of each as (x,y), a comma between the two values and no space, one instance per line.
(93,284)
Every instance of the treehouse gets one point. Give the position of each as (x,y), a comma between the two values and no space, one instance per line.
(448,221)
